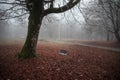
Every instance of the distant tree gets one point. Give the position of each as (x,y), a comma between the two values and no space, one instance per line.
(112,10)
(3,25)
(104,16)
(37,9)
(94,25)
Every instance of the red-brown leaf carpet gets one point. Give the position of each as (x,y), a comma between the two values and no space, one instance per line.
(81,63)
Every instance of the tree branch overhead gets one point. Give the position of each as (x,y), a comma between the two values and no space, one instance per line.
(64,8)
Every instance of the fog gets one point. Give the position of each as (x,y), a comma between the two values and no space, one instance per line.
(58,27)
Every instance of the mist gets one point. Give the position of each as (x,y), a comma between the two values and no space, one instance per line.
(60,26)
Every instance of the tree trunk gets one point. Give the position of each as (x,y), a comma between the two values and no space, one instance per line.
(35,21)
(108,39)
(117,35)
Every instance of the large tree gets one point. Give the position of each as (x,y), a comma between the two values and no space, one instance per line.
(37,10)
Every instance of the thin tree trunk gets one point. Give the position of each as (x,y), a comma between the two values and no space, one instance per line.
(35,21)
(117,35)
(108,36)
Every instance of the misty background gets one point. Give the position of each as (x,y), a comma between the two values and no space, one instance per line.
(86,21)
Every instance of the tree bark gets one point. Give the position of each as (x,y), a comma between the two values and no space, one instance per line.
(35,21)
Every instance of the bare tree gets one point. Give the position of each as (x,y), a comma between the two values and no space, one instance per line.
(112,10)
(37,9)
(104,15)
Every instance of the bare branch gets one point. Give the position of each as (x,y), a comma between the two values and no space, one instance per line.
(14,16)
(64,8)
(13,3)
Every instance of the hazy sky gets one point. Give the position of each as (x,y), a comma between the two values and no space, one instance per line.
(16,30)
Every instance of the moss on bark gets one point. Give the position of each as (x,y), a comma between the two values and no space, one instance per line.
(35,21)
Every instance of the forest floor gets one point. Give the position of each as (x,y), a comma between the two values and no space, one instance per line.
(81,62)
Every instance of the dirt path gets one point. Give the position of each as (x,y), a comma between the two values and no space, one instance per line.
(88,45)
(81,43)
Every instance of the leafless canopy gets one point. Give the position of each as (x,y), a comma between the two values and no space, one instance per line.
(18,8)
